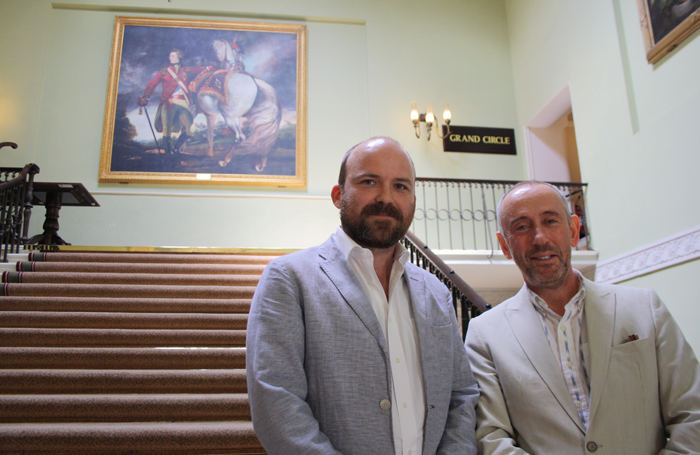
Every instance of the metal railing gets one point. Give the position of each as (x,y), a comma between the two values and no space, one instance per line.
(457,214)
(15,206)
(467,302)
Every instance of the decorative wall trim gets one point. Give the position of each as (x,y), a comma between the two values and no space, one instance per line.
(210,195)
(679,248)
(204,12)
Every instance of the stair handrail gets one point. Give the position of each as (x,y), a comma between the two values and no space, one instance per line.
(495,182)
(16,192)
(467,302)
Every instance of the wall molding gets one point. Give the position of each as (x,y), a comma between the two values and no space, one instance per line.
(203,12)
(211,195)
(673,250)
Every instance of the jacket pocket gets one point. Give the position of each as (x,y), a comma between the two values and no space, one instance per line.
(633,346)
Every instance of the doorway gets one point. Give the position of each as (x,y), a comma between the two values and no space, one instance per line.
(550,137)
(552,153)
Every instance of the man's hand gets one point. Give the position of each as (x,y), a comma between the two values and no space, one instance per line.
(143,100)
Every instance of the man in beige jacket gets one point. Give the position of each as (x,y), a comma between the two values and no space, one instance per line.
(569,366)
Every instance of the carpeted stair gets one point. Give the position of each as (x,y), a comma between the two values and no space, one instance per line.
(126,353)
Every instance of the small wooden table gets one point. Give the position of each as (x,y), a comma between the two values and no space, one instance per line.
(54,195)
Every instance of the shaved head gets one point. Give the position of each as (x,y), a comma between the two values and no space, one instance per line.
(378,140)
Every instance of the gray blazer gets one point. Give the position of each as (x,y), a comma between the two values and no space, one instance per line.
(645,394)
(318,365)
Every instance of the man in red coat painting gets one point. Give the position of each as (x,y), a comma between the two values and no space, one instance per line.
(174,113)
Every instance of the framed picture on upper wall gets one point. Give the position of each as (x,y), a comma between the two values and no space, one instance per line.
(192,101)
(666,23)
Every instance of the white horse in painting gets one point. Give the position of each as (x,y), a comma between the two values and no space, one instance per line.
(246,103)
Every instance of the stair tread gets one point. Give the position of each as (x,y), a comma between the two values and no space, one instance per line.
(121,358)
(126,267)
(46,381)
(61,256)
(117,438)
(123,407)
(124,290)
(37,337)
(137,304)
(102,320)
(130,278)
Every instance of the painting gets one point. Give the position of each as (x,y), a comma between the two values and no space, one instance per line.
(205,102)
(666,23)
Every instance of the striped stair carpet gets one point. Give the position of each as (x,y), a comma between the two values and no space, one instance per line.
(126,353)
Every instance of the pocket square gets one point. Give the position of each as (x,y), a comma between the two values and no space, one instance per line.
(631,338)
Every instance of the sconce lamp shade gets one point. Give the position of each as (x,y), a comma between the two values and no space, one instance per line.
(414,112)
(429,116)
(446,114)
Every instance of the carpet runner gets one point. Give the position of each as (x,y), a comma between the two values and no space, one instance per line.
(126,353)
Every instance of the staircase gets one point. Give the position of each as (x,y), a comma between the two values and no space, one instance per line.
(126,353)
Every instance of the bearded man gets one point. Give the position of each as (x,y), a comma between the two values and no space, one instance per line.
(351,349)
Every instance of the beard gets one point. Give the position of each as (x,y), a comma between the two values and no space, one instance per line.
(378,233)
(545,279)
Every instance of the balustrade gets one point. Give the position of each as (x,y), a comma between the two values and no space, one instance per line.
(458,214)
(466,301)
(15,206)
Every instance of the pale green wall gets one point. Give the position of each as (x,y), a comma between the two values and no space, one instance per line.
(636,124)
(679,287)
(636,127)
(367,61)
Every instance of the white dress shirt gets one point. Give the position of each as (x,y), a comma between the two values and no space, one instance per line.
(568,339)
(396,319)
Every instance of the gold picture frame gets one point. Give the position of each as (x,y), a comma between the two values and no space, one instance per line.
(667,23)
(224,103)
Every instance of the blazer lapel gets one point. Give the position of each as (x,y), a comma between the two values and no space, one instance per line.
(428,349)
(600,321)
(416,290)
(334,265)
(527,327)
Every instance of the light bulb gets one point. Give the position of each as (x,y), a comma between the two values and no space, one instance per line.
(429,117)
(446,114)
(414,112)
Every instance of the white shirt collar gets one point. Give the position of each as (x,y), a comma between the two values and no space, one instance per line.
(349,247)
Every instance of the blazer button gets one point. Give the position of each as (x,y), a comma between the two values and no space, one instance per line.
(591,446)
(385,405)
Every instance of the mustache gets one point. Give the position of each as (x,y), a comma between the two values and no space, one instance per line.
(380,208)
(543,249)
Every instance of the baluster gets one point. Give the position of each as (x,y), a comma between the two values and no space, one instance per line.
(3,223)
(425,214)
(461,213)
(473,214)
(449,213)
(435,210)
(437,217)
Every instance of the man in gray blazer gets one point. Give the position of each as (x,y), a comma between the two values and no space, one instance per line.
(569,366)
(350,348)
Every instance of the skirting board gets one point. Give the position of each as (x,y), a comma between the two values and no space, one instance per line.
(679,248)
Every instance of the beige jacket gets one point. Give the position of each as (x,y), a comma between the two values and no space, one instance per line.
(645,394)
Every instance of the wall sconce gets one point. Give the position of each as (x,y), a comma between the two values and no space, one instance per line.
(430,119)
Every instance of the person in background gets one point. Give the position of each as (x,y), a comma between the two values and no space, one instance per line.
(174,114)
